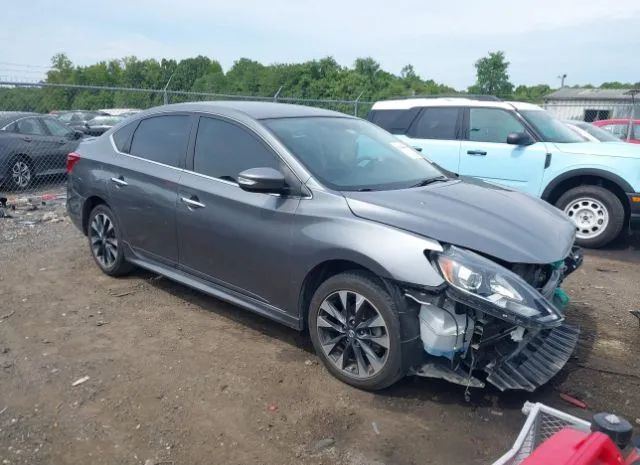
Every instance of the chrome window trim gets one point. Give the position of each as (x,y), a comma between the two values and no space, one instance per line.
(183,170)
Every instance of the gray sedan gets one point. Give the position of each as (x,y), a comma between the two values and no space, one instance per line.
(328,224)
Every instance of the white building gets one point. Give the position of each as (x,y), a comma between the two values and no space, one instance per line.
(592,104)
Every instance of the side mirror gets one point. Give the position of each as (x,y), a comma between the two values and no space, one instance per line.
(77,135)
(265,180)
(519,138)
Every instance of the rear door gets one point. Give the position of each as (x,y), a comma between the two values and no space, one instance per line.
(237,239)
(144,183)
(39,145)
(435,132)
(485,153)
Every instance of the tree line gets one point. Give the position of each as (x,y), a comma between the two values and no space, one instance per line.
(314,79)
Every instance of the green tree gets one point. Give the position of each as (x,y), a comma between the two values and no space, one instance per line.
(492,77)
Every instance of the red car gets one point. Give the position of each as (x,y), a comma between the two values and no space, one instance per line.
(622,129)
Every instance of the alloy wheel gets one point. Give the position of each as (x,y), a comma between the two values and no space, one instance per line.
(589,215)
(104,243)
(21,174)
(353,334)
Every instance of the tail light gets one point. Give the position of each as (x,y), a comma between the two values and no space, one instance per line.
(72,159)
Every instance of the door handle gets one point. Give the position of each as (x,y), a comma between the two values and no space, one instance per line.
(418,149)
(27,139)
(479,153)
(120,181)
(192,202)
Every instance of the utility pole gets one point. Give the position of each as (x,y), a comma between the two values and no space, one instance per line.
(166,97)
(562,77)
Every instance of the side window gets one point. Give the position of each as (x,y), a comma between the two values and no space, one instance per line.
(436,123)
(162,139)
(223,150)
(55,128)
(123,135)
(618,130)
(492,125)
(30,126)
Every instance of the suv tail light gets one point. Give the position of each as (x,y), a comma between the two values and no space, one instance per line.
(72,159)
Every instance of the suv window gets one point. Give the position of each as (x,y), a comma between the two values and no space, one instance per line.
(223,150)
(492,125)
(162,139)
(436,123)
(55,128)
(30,126)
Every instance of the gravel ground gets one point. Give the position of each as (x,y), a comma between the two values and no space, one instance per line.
(176,377)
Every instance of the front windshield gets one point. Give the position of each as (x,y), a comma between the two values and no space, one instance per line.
(549,128)
(352,155)
(598,133)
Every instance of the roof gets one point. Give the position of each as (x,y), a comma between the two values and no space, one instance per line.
(254,110)
(569,93)
(7,117)
(405,104)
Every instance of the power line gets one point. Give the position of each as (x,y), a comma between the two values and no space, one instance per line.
(25,65)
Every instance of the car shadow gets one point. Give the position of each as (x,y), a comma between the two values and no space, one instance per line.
(412,388)
(626,248)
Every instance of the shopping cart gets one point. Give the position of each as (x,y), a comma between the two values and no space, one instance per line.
(577,439)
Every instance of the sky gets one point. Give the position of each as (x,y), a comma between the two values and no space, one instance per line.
(590,41)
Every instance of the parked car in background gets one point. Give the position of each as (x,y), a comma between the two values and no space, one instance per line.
(622,129)
(101,124)
(521,146)
(326,223)
(33,145)
(590,132)
(77,119)
(120,111)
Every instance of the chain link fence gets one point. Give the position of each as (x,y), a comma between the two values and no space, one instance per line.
(40,123)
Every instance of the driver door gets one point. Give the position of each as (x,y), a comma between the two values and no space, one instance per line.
(485,153)
(237,239)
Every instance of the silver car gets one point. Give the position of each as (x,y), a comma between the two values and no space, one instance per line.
(329,224)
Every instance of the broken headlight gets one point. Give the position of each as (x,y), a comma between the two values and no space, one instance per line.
(493,288)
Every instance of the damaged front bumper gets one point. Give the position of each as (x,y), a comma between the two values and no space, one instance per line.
(463,337)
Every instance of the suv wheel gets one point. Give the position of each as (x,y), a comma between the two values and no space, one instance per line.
(105,242)
(597,213)
(355,330)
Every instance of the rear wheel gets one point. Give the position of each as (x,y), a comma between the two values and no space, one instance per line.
(20,174)
(105,242)
(597,213)
(355,330)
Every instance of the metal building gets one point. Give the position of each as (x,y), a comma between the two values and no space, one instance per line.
(592,104)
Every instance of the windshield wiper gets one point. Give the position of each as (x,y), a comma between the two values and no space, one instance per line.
(427,181)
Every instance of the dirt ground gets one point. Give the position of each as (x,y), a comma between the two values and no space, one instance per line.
(177,377)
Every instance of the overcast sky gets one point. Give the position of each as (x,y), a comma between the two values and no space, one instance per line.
(590,41)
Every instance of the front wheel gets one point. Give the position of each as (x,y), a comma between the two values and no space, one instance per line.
(355,330)
(20,174)
(597,213)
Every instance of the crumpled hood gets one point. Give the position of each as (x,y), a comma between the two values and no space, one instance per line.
(508,225)
(608,149)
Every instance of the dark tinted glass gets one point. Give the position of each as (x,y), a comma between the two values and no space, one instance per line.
(162,139)
(122,135)
(385,118)
(436,123)
(223,150)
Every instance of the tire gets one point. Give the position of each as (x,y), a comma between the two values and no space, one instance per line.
(377,367)
(105,241)
(20,173)
(588,206)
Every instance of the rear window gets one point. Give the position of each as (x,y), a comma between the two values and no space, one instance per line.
(385,118)
(436,123)
(162,139)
